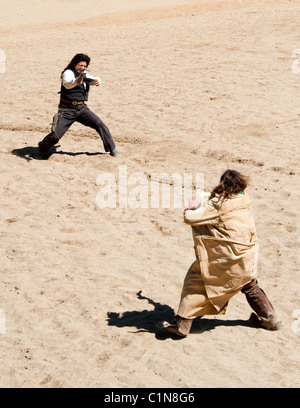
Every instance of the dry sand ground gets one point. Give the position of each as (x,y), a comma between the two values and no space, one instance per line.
(188,87)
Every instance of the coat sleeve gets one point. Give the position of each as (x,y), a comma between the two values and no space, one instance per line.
(204,215)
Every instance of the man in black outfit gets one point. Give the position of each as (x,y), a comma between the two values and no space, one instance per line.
(74,91)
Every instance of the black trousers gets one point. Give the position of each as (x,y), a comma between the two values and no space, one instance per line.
(82,115)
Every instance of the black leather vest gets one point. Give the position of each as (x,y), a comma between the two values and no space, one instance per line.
(78,93)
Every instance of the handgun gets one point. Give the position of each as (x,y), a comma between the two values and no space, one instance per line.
(83,76)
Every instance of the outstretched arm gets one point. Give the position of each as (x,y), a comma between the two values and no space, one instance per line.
(204,215)
(93,80)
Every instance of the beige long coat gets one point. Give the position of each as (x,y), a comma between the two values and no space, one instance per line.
(226,255)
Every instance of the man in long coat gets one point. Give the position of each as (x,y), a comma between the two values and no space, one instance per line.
(226,249)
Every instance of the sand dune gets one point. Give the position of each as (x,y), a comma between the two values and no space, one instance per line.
(188,87)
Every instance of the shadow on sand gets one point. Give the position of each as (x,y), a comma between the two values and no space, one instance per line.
(146,320)
(32,153)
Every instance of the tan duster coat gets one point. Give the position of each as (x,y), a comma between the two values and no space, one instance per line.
(226,255)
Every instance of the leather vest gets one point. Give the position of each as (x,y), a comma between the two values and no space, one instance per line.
(78,93)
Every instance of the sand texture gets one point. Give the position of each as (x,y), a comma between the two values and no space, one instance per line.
(187,87)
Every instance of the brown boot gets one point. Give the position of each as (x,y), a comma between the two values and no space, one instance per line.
(181,326)
(261,305)
(272,322)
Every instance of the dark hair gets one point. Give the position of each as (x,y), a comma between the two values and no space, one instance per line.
(231,182)
(75,60)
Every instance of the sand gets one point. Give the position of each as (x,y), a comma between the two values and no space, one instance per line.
(189,87)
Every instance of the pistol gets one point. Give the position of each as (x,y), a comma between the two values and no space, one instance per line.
(85,78)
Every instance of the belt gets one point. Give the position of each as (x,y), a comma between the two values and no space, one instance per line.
(72,103)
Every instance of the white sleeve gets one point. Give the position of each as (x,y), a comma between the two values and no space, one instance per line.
(89,76)
(68,79)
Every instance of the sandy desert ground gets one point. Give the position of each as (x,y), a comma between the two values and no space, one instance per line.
(188,87)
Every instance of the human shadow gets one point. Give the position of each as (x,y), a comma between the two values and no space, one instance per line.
(28,153)
(32,153)
(205,324)
(147,320)
(80,153)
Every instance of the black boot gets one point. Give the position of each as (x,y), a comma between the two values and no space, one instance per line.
(49,141)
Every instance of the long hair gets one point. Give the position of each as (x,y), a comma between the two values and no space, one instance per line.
(75,60)
(231,182)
